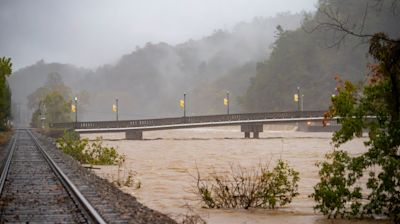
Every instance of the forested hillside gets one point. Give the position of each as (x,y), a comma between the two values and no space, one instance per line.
(310,57)
(151,80)
(32,78)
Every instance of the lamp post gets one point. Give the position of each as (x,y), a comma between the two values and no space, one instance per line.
(298,98)
(116,104)
(184,104)
(76,109)
(227,102)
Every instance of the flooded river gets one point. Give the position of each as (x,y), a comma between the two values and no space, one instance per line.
(166,161)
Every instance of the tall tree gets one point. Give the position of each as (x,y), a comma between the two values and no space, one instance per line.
(5,93)
(339,192)
(374,107)
(53,108)
(54,83)
(51,102)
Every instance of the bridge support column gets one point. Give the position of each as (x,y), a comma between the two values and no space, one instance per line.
(256,135)
(302,126)
(134,135)
(255,128)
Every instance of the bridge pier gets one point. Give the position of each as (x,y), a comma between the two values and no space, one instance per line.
(256,135)
(134,135)
(255,128)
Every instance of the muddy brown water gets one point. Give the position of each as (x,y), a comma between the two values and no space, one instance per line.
(166,161)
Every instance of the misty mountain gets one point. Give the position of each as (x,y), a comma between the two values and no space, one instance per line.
(150,81)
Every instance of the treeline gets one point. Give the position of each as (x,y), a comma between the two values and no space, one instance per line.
(311,60)
(5,94)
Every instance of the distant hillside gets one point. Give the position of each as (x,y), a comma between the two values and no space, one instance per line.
(26,80)
(307,60)
(150,81)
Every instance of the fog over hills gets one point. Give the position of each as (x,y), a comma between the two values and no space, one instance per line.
(311,60)
(151,79)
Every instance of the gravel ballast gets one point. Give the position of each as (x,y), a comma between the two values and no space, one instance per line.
(124,204)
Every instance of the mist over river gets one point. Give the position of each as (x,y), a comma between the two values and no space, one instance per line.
(166,161)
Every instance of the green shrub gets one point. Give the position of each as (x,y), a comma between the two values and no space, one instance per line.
(125,179)
(85,152)
(336,194)
(71,144)
(101,155)
(253,188)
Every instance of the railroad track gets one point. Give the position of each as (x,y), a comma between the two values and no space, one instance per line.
(34,189)
(31,191)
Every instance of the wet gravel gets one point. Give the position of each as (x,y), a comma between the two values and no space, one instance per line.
(114,205)
(32,192)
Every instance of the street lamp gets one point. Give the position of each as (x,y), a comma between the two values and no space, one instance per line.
(184,104)
(226,102)
(298,99)
(116,103)
(76,109)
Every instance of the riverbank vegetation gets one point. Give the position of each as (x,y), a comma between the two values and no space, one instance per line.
(375,108)
(125,178)
(86,152)
(257,187)
(95,153)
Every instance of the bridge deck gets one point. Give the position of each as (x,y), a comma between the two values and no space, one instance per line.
(192,121)
(198,125)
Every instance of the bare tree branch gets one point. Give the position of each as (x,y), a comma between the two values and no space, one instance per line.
(339,26)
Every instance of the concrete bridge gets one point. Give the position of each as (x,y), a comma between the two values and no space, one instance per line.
(249,123)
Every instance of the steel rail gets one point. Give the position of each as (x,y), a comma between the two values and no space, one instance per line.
(7,165)
(89,210)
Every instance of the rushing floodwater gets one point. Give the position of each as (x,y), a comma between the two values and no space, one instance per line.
(165,161)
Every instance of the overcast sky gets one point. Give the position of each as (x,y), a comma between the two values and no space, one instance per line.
(89,33)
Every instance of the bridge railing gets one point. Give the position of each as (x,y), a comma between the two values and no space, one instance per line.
(186,120)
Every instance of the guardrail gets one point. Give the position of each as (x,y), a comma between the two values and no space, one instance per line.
(186,120)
